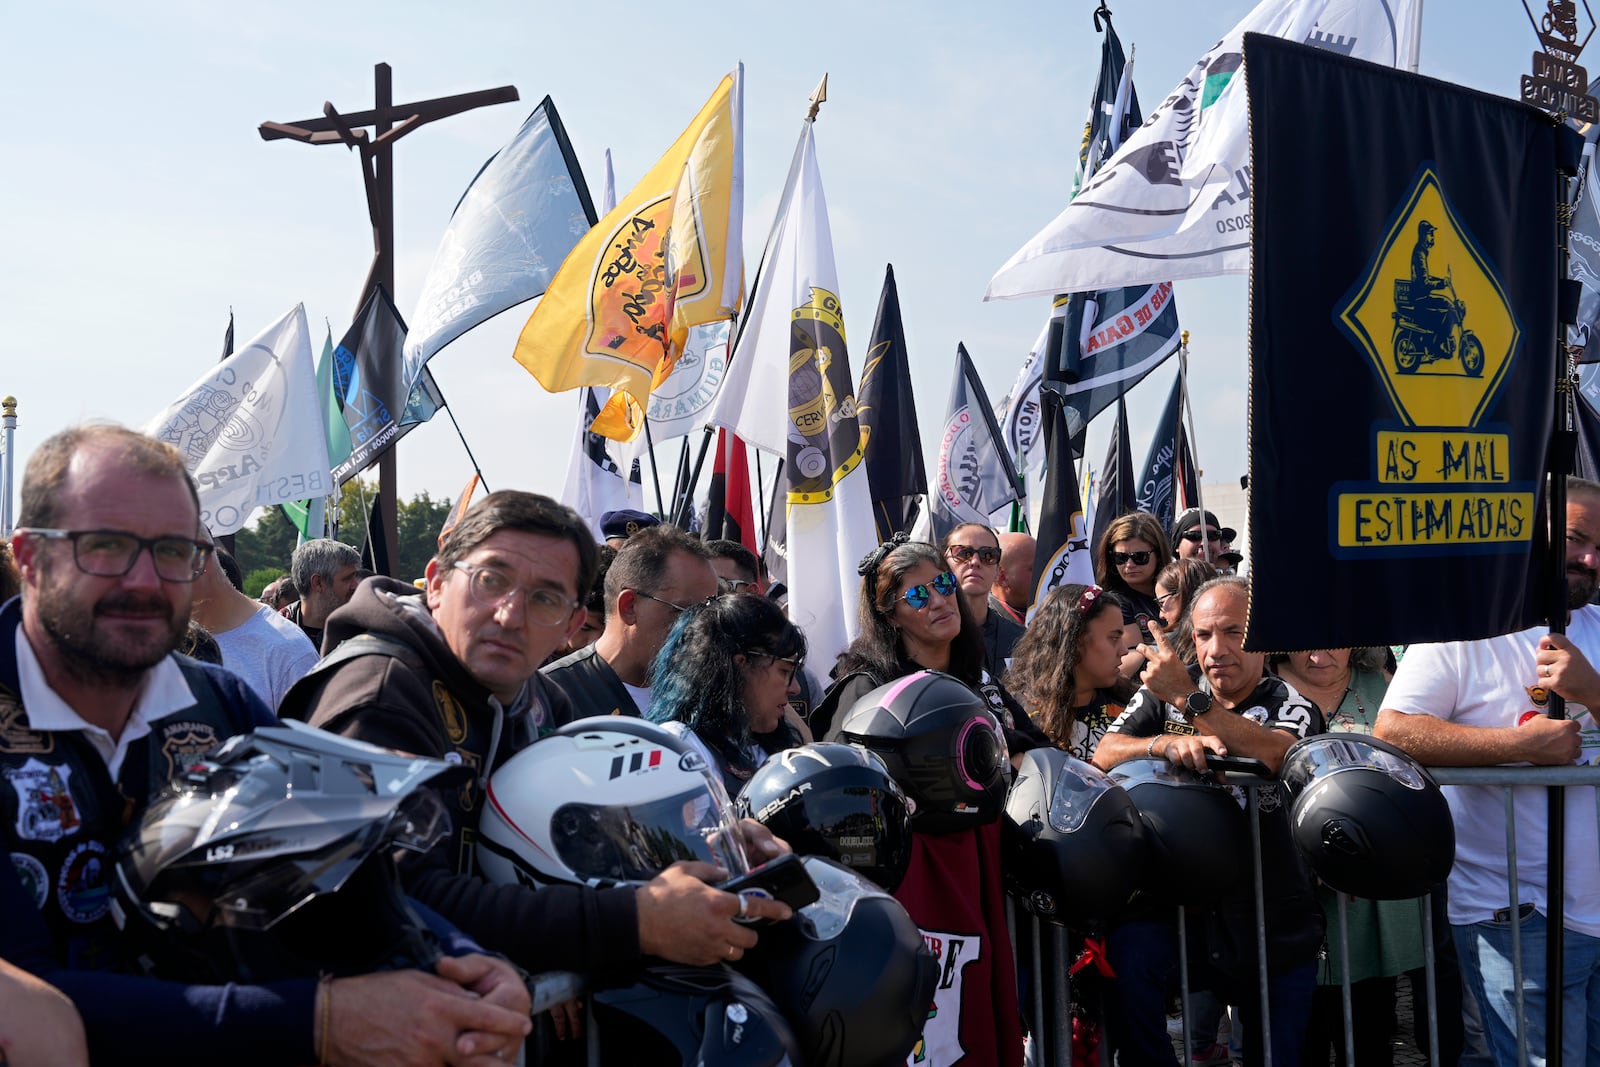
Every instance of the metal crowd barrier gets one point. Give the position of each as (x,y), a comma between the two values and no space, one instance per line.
(1051,1030)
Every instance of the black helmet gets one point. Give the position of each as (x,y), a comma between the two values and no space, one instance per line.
(671,1015)
(942,744)
(1198,832)
(837,801)
(852,971)
(273,858)
(1077,848)
(1367,817)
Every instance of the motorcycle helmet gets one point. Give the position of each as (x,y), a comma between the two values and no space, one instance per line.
(604,801)
(273,859)
(1198,832)
(1369,819)
(942,744)
(852,971)
(671,1015)
(1077,850)
(836,801)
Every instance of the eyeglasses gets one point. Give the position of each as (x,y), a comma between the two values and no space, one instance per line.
(794,663)
(919,596)
(733,585)
(677,608)
(112,553)
(1196,535)
(1162,598)
(491,588)
(1138,559)
(962,553)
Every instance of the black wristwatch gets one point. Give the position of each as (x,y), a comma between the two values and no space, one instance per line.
(1196,703)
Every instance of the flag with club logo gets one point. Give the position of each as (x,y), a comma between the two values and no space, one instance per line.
(888,416)
(1021,412)
(974,477)
(1401,374)
(1174,200)
(1167,481)
(518,219)
(790,391)
(599,479)
(1115,494)
(368,383)
(249,430)
(1064,555)
(667,258)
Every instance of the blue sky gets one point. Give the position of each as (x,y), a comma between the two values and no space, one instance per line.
(142,204)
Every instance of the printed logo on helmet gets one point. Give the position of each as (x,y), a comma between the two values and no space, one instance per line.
(638,763)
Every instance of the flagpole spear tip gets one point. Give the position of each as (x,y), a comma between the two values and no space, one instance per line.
(817,97)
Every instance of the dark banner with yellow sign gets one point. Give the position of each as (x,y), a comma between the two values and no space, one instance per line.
(1402,354)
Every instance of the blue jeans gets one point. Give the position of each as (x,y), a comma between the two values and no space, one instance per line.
(1485,950)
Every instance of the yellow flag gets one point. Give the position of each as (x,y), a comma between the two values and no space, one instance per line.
(669,256)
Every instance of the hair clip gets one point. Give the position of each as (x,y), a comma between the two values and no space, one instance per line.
(1090,595)
(873,560)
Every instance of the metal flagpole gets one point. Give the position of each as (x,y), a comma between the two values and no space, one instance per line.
(650,444)
(8,461)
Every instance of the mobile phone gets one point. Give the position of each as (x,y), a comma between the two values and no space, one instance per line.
(1143,622)
(784,878)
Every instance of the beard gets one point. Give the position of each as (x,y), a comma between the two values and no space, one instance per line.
(1581,585)
(96,651)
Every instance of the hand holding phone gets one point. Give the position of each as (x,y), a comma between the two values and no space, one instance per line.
(784,879)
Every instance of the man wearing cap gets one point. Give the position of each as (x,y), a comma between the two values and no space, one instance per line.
(659,573)
(1208,540)
(617,526)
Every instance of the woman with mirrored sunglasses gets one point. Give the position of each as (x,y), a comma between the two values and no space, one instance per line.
(724,679)
(1131,553)
(913,617)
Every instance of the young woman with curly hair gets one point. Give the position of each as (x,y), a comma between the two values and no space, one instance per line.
(1064,670)
(723,681)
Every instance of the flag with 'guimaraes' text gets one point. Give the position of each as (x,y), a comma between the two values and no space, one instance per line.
(1402,342)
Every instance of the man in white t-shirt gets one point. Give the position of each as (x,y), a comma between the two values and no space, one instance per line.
(265,649)
(1480,703)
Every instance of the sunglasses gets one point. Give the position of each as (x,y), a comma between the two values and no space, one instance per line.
(919,596)
(1138,559)
(1195,535)
(962,553)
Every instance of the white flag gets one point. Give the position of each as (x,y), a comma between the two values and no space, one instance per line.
(1174,200)
(250,429)
(789,390)
(599,479)
(1022,419)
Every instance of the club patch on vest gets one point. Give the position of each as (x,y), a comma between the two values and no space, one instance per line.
(45,809)
(183,742)
(451,714)
(30,872)
(16,735)
(81,888)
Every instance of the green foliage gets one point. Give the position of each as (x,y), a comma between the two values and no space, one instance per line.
(268,544)
(257,580)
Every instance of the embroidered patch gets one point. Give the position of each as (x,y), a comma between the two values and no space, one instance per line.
(81,888)
(182,742)
(45,809)
(1257,715)
(16,735)
(30,872)
(451,713)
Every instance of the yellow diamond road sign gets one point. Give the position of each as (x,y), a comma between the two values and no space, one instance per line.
(1431,315)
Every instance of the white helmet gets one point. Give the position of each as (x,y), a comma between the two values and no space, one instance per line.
(604,801)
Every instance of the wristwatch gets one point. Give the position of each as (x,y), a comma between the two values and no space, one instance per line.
(1196,703)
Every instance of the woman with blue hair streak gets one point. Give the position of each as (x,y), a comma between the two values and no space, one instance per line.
(724,679)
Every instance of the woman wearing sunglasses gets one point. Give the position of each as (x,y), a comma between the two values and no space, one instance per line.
(913,617)
(1131,554)
(724,679)
(972,552)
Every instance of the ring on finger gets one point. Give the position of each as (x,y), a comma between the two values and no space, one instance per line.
(732,948)
(744,907)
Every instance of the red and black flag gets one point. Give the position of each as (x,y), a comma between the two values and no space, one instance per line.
(729,515)
(1402,353)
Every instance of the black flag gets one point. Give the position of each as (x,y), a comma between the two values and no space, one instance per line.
(888,418)
(1402,329)
(1117,495)
(1064,555)
(1167,484)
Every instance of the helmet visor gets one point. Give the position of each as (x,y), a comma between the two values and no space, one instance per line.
(1326,754)
(636,842)
(1078,786)
(841,889)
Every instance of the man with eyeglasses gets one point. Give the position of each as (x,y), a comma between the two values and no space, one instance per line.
(453,673)
(659,573)
(96,713)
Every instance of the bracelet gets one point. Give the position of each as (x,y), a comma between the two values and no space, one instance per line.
(1150,749)
(325,994)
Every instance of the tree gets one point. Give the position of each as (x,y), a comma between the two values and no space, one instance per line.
(270,543)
